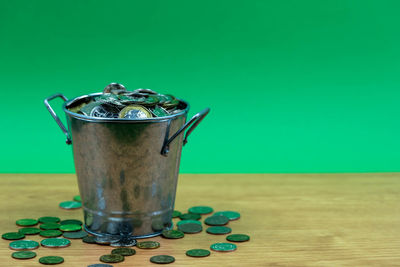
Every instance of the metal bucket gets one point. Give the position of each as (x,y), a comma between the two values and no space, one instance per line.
(127,169)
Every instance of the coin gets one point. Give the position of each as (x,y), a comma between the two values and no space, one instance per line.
(172,234)
(148,244)
(104,111)
(216,220)
(232,215)
(151,100)
(171,104)
(134,112)
(23,255)
(190,228)
(55,242)
(223,247)
(70,205)
(198,253)
(51,260)
(70,227)
(50,233)
(145,91)
(50,226)
(123,251)
(218,230)
(112,258)
(75,235)
(29,231)
(77,198)
(114,88)
(187,221)
(106,240)
(24,244)
(201,210)
(162,259)
(48,219)
(176,213)
(99,265)
(13,236)
(159,112)
(190,216)
(238,238)
(124,242)
(89,239)
(71,221)
(27,222)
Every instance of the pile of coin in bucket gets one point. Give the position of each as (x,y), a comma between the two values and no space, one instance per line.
(117,102)
(51,228)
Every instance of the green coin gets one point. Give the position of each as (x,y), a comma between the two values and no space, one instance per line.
(70,227)
(27,222)
(216,220)
(238,238)
(50,233)
(29,231)
(159,112)
(89,239)
(148,244)
(162,259)
(68,205)
(24,245)
(23,255)
(187,221)
(77,198)
(198,253)
(223,247)
(75,235)
(48,219)
(55,242)
(112,258)
(99,265)
(51,260)
(176,213)
(218,230)
(124,251)
(190,216)
(201,210)
(71,221)
(190,228)
(13,236)
(50,226)
(232,215)
(172,234)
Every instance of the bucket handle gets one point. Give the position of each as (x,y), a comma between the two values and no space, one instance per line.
(56,118)
(195,120)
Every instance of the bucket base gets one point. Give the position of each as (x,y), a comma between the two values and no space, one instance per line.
(157,233)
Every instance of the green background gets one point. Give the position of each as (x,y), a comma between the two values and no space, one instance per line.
(293,86)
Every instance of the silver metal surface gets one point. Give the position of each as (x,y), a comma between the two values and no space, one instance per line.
(54,115)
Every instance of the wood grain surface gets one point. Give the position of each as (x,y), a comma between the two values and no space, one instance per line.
(293,219)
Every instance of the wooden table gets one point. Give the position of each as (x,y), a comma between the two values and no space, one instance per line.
(293,219)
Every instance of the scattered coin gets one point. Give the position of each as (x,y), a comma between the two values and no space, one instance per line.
(218,230)
(70,227)
(55,242)
(75,235)
(148,244)
(216,220)
(24,245)
(176,213)
(162,259)
(173,234)
(50,233)
(106,240)
(27,222)
(238,238)
(13,236)
(50,226)
(89,239)
(187,221)
(68,205)
(112,258)
(48,219)
(198,253)
(71,221)
(190,228)
(201,210)
(123,251)
(190,216)
(223,247)
(29,231)
(100,265)
(135,112)
(51,260)
(232,215)
(77,198)
(23,255)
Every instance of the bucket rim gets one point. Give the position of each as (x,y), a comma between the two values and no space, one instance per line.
(118,120)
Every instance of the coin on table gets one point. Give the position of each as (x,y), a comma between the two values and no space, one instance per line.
(51,260)
(24,245)
(176,213)
(106,240)
(187,221)
(99,265)
(134,112)
(148,244)
(49,219)
(216,220)
(223,247)
(124,251)
(13,236)
(50,226)
(77,198)
(29,231)
(238,238)
(232,215)
(114,88)
(200,210)
(218,230)
(198,253)
(162,259)
(23,255)
(190,228)
(71,221)
(190,216)
(55,242)
(112,258)
(173,234)
(27,222)
(75,235)
(68,205)
(89,239)
(70,227)
(50,233)
(159,112)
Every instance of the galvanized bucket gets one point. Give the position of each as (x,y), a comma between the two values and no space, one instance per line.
(127,169)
